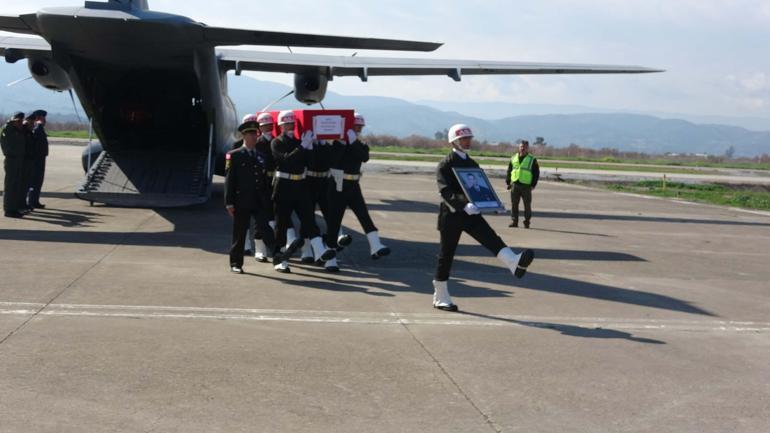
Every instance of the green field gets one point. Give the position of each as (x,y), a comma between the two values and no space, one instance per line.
(704,193)
(545,164)
(68,134)
(607,160)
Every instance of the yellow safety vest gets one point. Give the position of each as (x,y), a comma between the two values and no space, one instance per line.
(522,170)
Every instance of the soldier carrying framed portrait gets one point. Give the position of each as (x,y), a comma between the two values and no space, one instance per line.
(478,189)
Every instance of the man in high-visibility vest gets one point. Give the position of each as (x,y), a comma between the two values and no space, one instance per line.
(523,174)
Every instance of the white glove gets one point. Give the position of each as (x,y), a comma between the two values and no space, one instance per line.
(352,136)
(337,175)
(471,209)
(307,139)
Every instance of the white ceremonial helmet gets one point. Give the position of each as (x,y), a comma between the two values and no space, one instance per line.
(249,118)
(359,120)
(286,116)
(459,131)
(265,119)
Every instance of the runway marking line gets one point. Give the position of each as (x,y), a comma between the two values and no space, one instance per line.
(375,318)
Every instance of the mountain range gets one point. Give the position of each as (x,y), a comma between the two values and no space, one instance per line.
(559,125)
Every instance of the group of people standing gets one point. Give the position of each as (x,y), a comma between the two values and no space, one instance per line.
(25,148)
(270,180)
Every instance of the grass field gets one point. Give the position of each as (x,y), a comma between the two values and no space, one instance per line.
(608,160)
(68,134)
(546,164)
(705,193)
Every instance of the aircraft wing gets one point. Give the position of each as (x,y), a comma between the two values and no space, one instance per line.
(364,67)
(16,24)
(223,36)
(22,47)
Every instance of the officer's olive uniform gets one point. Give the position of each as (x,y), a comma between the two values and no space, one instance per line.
(246,189)
(348,158)
(40,144)
(453,220)
(14,145)
(290,191)
(522,177)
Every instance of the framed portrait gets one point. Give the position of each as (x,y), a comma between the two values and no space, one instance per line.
(479,190)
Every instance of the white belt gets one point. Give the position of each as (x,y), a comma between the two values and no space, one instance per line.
(321,174)
(289,176)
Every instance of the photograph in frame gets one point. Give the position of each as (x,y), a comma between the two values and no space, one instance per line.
(478,189)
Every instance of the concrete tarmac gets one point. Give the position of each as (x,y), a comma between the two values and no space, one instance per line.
(638,315)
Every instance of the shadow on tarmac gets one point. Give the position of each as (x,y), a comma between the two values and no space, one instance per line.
(207,227)
(570,330)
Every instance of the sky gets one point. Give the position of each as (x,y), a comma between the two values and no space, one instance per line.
(715,52)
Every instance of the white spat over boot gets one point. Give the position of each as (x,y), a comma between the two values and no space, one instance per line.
(441,298)
(283,267)
(291,236)
(321,251)
(517,263)
(307,252)
(376,248)
(331,265)
(260,251)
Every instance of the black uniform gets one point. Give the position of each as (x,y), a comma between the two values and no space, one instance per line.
(452,218)
(14,145)
(40,144)
(30,158)
(318,178)
(292,195)
(348,158)
(246,189)
(520,191)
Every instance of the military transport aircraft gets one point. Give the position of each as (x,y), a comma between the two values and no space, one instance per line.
(155,87)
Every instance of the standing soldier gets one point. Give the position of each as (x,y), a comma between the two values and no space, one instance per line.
(265,120)
(291,192)
(30,158)
(245,188)
(14,146)
(345,191)
(40,141)
(523,174)
(457,215)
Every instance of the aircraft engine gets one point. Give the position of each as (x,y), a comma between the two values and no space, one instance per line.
(48,74)
(310,88)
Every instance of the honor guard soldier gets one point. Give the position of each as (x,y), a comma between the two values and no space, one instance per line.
(265,120)
(14,145)
(345,190)
(521,178)
(318,187)
(290,191)
(457,215)
(40,144)
(245,190)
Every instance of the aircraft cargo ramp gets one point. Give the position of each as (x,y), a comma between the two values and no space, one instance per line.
(147,179)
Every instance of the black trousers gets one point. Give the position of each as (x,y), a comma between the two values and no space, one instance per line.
(241,221)
(36,181)
(269,206)
(521,192)
(352,197)
(13,188)
(293,196)
(452,227)
(319,195)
